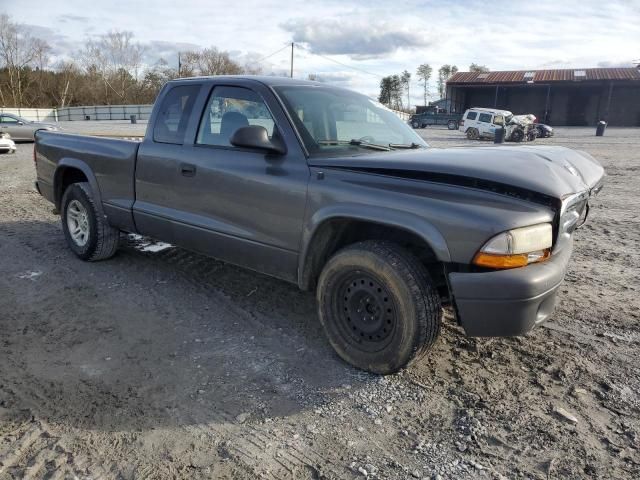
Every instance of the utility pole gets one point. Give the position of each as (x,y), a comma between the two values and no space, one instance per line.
(179,64)
(291,60)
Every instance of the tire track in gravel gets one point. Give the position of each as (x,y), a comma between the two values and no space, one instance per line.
(197,272)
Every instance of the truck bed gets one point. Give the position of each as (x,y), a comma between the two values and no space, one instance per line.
(108,164)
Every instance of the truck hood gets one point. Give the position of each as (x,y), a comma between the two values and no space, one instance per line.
(551,171)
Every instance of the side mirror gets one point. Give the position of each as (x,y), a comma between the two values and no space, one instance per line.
(20,123)
(256,136)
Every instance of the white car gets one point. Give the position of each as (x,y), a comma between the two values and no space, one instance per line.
(6,144)
(479,123)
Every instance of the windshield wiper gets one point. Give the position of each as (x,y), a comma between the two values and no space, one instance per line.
(357,143)
(406,145)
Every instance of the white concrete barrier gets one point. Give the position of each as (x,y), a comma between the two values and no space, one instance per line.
(93,112)
(33,114)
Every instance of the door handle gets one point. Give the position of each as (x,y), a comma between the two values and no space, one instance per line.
(187,170)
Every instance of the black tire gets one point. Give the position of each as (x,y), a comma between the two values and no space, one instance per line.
(517,136)
(378,306)
(101,239)
(452,125)
(473,134)
(415,124)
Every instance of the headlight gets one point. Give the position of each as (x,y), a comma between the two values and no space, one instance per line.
(573,209)
(517,247)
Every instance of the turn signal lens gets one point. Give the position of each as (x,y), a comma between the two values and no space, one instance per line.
(491,260)
(516,248)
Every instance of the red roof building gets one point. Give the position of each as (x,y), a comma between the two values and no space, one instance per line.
(580,96)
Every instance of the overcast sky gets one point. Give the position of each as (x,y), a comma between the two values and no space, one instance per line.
(379,37)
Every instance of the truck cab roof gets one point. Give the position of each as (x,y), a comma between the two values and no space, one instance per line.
(271,81)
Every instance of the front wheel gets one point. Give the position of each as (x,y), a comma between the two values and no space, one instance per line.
(378,306)
(517,135)
(88,234)
(415,124)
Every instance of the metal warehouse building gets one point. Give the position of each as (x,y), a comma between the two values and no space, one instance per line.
(557,97)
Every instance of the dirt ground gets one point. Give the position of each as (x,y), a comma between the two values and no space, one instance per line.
(160,363)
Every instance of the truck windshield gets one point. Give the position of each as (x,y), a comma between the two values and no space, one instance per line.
(333,121)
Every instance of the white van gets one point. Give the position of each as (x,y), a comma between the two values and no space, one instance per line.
(482,122)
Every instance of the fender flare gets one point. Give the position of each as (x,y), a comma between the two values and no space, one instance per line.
(77,164)
(384,216)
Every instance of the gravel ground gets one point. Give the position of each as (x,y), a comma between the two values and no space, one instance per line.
(160,363)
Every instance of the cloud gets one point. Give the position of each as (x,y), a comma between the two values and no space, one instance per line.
(155,50)
(72,18)
(360,38)
(614,64)
(61,46)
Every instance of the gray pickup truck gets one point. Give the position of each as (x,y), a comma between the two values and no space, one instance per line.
(328,189)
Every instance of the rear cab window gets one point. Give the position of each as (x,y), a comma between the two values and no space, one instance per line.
(174,114)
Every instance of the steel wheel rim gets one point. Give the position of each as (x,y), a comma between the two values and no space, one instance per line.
(366,312)
(78,222)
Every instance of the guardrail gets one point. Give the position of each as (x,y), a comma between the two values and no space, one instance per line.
(107,112)
(403,115)
(34,114)
(93,112)
(99,112)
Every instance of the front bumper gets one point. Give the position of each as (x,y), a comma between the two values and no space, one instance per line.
(508,302)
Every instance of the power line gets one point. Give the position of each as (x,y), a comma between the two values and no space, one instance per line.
(274,53)
(340,63)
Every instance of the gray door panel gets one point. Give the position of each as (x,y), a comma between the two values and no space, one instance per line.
(244,207)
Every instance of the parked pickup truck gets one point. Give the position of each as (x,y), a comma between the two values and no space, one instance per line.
(435,116)
(328,189)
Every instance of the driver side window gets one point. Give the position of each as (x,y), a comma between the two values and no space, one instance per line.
(228,109)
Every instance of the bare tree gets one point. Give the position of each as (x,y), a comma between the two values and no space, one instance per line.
(391,91)
(405,80)
(109,70)
(117,59)
(424,74)
(209,61)
(444,73)
(68,73)
(154,78)
(20,53)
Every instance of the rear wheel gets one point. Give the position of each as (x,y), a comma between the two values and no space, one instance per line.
(87,232)
(473,134)
(415,124)
(452,125)
(378,306)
